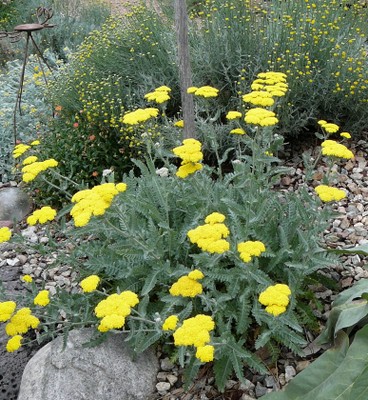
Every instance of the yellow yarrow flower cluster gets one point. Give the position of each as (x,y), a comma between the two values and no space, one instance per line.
(29,160)
(275,298)
(20,149)
(233,115)
(170,323)
(159,95)
(14,343)
(27,278)
(328,127)
(195,332)
(191,155)
(203,91)
(7,309)
(331,148)
(31,171)
(114,309)
(139,115)
(90,283)
(250,249)
(238,131)
(42,299)
(261,117)
(345,135)
(179,124)
(271,82)
(211,236)
(5,234)
(187,286)
(259,98)
(42,215)
(94,201)
(328,193)
(21,322)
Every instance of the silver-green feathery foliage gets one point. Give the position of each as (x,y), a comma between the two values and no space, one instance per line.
(141,244)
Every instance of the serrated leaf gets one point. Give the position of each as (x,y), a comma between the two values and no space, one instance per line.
(149,283)
(223,368)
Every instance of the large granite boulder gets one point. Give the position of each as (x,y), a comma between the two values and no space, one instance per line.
(104,372)
(14,204)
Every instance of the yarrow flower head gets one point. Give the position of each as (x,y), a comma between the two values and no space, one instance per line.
(238,131)
(42,216)
(29,160)
(14,343)
(272,82)
(140,115)
(179,124)
(345,135)
(170,323)
(187,286)
(94,201)
(7,309)
(21,322)
(259,98)
(159,95)
(31,171)
(211,236)
(20,149)
(205,353)
(331,148)
(5,234)
(250,249)
(42,299)
(191,155)
(203,91)
(233,115)
(328,127)
(194,331)
(275,298)
(27,278)
(114,309)
(90,283)
(261,117)
(328,193)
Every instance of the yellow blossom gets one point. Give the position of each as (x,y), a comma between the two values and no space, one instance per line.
(233,115)
(170,323)
(42,299)
(238,131)
(186,287)
(90,283)
(14,343)
(328,193)
(42,216)
(275,298)
(5,234)
(205,353)
(7,309)
(27,278)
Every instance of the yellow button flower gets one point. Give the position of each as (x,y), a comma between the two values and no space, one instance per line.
(90,283)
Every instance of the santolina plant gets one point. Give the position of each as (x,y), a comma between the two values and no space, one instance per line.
(211,264)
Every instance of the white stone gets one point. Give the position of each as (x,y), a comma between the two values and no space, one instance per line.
(103,372)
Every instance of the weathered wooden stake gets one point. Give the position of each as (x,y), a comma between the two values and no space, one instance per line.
(185,73)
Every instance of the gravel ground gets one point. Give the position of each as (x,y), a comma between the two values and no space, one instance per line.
(348,229)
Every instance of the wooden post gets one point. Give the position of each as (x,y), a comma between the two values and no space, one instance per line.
(185,73)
